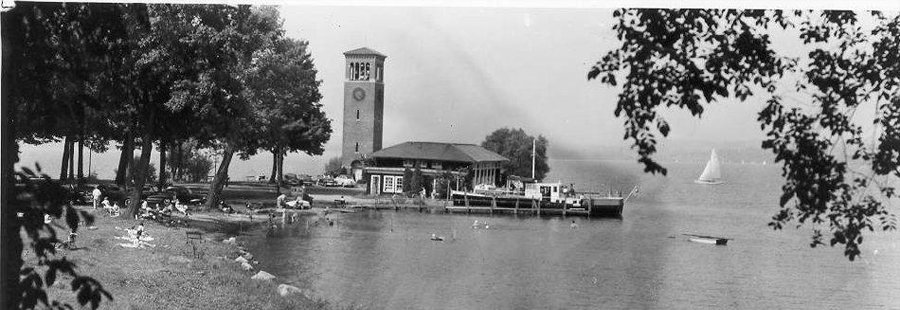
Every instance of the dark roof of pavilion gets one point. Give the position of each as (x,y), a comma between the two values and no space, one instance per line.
(457,152)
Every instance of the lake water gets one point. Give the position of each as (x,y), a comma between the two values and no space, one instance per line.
(385,260)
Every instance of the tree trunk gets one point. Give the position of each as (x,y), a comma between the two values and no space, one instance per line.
(125,158)
(80,159)
(162,165)
(274,166)
(280,182)
(10,225)
(215,188)
(64,167)
(71,159)
(175,161)
(140,175)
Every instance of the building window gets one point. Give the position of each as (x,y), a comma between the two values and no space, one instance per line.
(436,165)
(388,184)
(408,163)
(398,186)
(367,72)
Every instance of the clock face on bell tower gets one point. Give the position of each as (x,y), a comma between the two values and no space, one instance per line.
(363,105)
(359,94)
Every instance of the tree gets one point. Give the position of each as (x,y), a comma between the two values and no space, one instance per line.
(407,180)
(333,167)
(51,55)
(516,145)
(282,83)
(196,166)
(150,172)
(837,177)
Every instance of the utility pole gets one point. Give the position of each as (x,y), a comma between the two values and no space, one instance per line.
(533,152)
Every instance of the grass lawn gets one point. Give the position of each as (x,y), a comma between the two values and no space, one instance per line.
(168,276)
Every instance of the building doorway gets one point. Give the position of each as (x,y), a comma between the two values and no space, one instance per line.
(375,185)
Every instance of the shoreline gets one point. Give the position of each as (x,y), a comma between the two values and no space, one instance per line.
(165,269)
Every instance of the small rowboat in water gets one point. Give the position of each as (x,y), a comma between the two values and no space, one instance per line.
(707,239)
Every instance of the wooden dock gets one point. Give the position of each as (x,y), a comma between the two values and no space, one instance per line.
(604,207)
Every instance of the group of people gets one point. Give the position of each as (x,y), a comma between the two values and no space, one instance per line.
(155,211)
(302,201)
(112,209)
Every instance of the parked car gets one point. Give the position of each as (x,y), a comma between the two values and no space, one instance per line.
(113,193)
(185,195)
(327,181)
(306,179)
(344,181)
(291,179)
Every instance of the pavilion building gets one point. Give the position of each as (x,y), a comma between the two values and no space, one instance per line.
(435,160)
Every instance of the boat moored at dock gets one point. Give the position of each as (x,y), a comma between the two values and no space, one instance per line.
(539,199)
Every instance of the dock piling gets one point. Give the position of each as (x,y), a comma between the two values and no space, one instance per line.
(466,198)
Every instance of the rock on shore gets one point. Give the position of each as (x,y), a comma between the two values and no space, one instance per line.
(262,275)
(285,290)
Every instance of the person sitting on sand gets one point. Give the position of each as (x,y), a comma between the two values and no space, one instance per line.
(114,210)
(225,207)
(573,225)
(105,204)
(181,207)
(169,208)
(279,202)
(140,230)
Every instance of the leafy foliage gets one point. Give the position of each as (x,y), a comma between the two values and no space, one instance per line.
(35,196)
(196,166)
(516,145)
(139,74)
(833,175)
(333,167)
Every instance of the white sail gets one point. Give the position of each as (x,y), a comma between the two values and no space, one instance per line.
(712,173)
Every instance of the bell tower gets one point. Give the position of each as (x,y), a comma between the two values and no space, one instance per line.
(363,106)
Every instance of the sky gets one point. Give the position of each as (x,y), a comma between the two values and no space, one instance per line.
(457,74)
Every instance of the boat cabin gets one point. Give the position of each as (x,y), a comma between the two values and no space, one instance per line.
(553,192)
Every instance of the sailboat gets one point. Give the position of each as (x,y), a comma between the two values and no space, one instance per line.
(711,174)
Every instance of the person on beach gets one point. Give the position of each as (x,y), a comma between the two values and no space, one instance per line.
(573,225)
(114,210)
(279,202)
(140,231)
(105,204)
(181,207)
(169,208)
(96,195)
